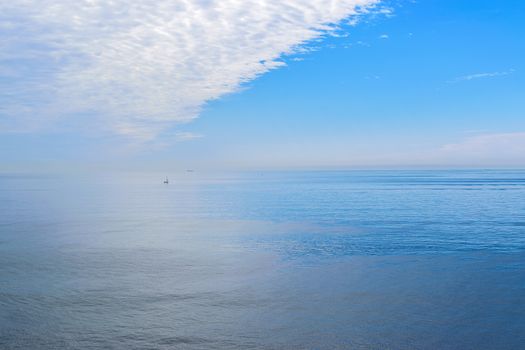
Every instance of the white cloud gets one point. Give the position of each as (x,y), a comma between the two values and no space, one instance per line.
(363,43)
(482,75)
(139,67)
(186,136)
(488,149)
(383,36)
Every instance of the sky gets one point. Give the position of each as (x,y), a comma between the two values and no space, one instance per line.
(252,84)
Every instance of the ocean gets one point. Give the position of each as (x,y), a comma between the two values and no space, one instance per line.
(264,260)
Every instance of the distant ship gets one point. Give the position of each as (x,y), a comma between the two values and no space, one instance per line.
(166,181)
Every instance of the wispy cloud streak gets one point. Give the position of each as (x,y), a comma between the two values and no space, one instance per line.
(139,67)
(482,76)
(489,149)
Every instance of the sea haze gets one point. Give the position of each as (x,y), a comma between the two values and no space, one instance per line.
(267,260)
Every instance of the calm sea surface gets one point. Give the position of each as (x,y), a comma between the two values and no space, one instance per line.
(298,260)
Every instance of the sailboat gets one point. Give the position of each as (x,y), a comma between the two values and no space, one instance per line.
(166,181)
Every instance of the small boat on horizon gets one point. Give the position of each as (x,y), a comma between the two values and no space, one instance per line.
(166,181)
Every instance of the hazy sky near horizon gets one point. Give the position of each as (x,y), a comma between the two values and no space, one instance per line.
(252,84)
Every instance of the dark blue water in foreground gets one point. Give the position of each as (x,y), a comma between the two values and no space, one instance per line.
(300,260)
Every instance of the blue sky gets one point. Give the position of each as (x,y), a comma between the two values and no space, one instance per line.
(435,83)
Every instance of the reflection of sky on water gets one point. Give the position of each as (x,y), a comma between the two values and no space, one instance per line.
(303,260)
(325,213)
